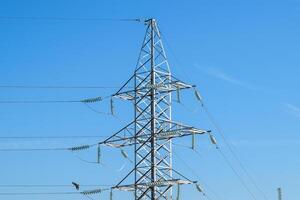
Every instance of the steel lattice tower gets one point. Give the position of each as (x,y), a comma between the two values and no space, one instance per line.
(152,130)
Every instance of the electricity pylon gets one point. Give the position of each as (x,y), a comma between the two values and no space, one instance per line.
(152,130)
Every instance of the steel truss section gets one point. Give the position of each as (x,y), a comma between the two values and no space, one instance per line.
(152,130)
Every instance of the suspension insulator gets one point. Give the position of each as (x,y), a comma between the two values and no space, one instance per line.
(213,139)
(91,100)
(112,107)
(199,188)
(178,94)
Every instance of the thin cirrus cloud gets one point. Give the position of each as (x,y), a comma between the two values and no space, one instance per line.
(292,109)
(218,74)
(266,143)
(225,77)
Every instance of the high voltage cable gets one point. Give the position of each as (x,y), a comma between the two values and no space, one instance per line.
(219,130)
(221,133)
(236,173)
(229,164)
(56,87)
(51,137)
(49,186)
(70,19)
(45,193)
(85,193)
(36,193)
(196,174)
(33,149)
(73,148)
(76,148)
(97,111)
(226,159)
(40,101)
(90,100)
(174,55)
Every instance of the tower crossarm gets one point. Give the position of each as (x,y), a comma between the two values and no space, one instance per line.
(121,138)
(126,137)
(160,88)
(160,183)
(169,182)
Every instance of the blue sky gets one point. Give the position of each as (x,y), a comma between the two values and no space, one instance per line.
(242,55)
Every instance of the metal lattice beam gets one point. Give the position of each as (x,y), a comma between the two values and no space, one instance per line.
(152,130)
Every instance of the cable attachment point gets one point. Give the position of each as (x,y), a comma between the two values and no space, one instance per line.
(111,194)
(92,100)
(213,139)
(199,188)
(198,95)
(178,94)
(112,106)
(178,192)
(193,141)
(79,148)
(125,155)
(98,154)
(89,192)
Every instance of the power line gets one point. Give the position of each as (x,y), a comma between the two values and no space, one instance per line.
(236,173)
(48,193)
(55,87)
(96,111)
(75,148)
(32,149)
(89,100)
(85,193)
(225,158)
(219,130)
(36,193)
(52,137)
(221,133)
(70,19)
(52,186)
(40,102)
(233,169)
(227,162)
(175,56)
(195,174)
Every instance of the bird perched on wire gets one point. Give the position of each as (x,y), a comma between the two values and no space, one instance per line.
(76,185)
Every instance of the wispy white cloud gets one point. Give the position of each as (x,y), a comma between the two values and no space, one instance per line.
(263,143)
(292,109)
(223,76)
(216,73)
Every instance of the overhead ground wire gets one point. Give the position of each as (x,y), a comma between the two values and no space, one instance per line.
(70,19)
